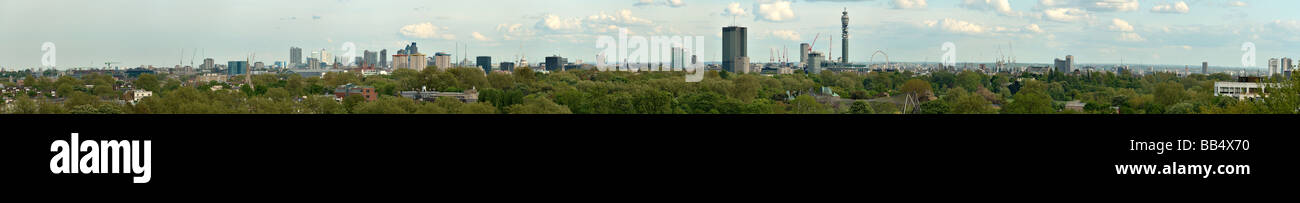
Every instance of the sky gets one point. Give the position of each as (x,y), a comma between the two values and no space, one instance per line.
(165,33)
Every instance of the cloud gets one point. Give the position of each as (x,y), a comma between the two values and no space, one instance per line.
(786,35)
(1180,7)
(603,22)
(1110,5)
(956,26)
(734,9)
(551,22)
(1286,26)
(1237,4)
(425,30)
(1033,28)
(1065,14)
(908,4)
(514,31)
(1131,37)
(1092,5)
(480,37)
(774,11)
(623,17)
(669,3)
(1001,6)
(1120,25)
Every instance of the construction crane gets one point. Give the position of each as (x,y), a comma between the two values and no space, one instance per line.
(814,42)
(109,65)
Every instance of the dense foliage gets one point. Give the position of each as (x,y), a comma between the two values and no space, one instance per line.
(592,92)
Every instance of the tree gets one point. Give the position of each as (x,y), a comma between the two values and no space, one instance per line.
(970,80)
(501,98)
(804,104)
(538,104)
(322,105)
(501,80)
(351,102)
(861,107)
(278,94)
(1169,93)
(746,87)
(1030,100)
(148,82)
(477,108)
(916,88)
(23,105)
(972,104)
(935,107)
(1181,108)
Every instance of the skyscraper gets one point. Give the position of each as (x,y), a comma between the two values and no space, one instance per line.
(555,63)
(485,62)
(1065,66)
(734,46)
(803,53)
(411,58)
(236,67)
(209,63)
(295,56)
(1273,65)
(383,58)
(678,58)
(370,58)
(442,60)
(325,57)
(507,66)
(1286,66)
(1205,68)
(844,44)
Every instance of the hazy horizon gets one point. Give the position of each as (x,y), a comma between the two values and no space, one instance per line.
(156,32)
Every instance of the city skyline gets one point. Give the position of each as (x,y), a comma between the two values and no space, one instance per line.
(146,32)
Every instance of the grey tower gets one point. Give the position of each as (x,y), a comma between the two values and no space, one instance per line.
(844,44)
(295,56)
(733,47)
(803,53)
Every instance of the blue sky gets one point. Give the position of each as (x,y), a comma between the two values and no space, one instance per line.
(154,32)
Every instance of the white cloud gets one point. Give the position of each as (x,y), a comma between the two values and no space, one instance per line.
(1287,26)
(1033,28)
(623,17)
(1131,37)
(1065,14)
(669,3)
(1120,25)
(1092,5)
(514,31)
(425,30)
(1179,7)
(556,23)
(1237,4)
(909,4)
(1110,5)
(786,35)
(734,9)
(956,26)
(775,11)
(480,37)
(676,3)
(1001,6)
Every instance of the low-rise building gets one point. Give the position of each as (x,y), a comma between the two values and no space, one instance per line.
(424,94)
(343,91)
(135,95)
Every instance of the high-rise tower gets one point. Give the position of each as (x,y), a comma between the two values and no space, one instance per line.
(734,48)
(844,44)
